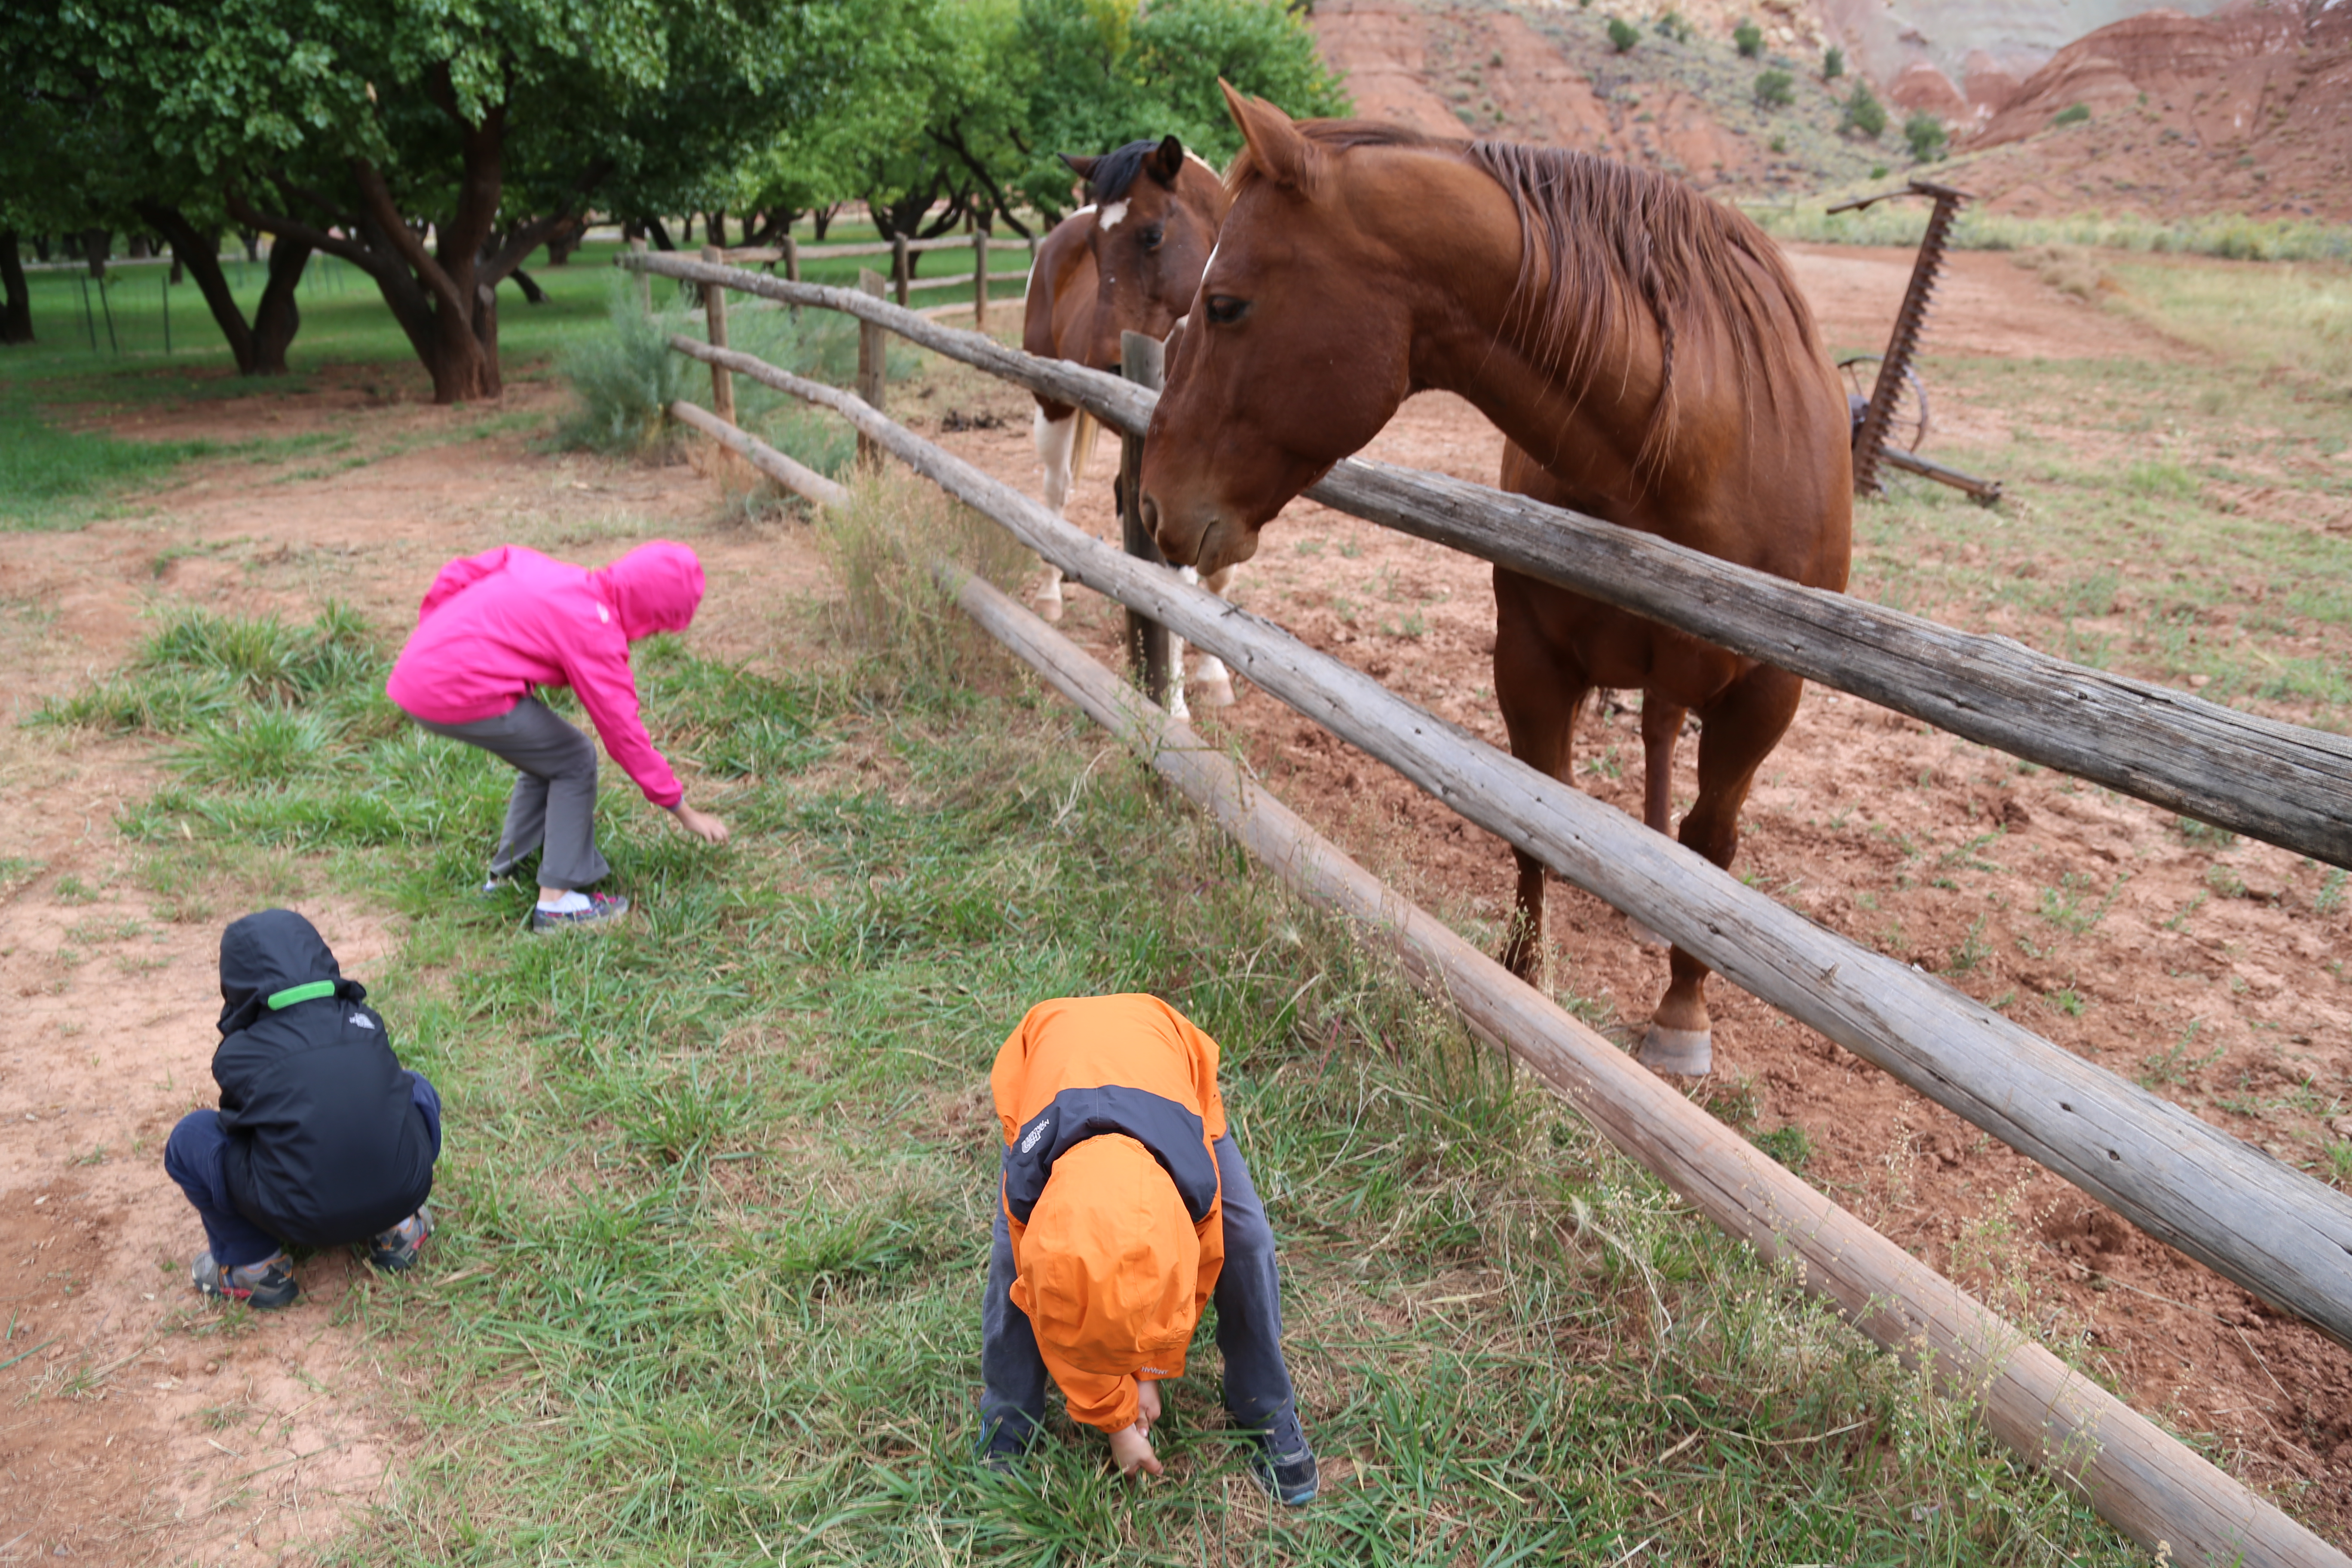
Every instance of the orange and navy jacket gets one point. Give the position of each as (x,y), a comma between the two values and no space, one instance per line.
(1116,1068)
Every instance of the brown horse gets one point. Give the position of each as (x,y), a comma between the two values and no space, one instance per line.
(1645,351)
(1129,260)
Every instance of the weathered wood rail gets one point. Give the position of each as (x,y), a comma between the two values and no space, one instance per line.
(2146,1484)
(2247,1216)
(2279,783)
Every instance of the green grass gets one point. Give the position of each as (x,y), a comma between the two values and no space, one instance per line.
(2231,235)
(52,477)
(716,1189)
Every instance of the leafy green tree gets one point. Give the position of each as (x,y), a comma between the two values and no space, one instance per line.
(1864,113)
(1622,35)
(1927,135)
(436,145)
(1775,90)
(1106,72)
(1749,39)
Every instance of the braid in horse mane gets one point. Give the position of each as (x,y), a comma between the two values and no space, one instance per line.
(1594,231)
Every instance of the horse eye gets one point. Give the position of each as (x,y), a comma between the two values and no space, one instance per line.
(1225,309)
(1153,237)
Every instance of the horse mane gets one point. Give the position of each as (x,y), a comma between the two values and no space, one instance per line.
(1597,234)
(1118,169)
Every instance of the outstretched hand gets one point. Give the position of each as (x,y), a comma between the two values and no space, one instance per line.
(701,824)
(1130,1450)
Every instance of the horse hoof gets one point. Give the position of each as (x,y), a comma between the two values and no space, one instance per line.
(1180,708)
(1218,693)
(1645,936)
(1684,1053)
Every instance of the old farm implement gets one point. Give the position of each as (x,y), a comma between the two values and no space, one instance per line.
(1888,400)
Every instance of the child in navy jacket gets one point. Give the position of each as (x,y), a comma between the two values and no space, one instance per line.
(322,1137)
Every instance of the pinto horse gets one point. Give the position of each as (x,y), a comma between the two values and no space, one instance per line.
(1645,353)
(1129,260)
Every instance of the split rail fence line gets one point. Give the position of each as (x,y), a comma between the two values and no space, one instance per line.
(2284,785)
(2147,1485)
(2247,1215)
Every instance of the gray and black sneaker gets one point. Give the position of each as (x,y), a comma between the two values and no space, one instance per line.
(1283,1464)
(394,1251)
(602,909)
(268,1284)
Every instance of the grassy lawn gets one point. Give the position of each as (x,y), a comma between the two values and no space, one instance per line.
(716,1189)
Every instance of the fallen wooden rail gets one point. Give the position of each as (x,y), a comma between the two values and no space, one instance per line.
(2278,783)
(2247,1216)
(795,477)
(2147,1485)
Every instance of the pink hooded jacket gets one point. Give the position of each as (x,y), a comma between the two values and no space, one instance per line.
(493,626)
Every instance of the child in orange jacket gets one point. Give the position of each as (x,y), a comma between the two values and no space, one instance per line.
(1123,1208)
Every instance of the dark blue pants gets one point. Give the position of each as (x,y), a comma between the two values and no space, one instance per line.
(197,1156)
(1249,1319)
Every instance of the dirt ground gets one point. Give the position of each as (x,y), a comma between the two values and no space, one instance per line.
(144,1427)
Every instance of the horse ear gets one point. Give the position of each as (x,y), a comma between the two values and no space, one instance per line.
(1275,144)
(1082,165)
(1166,161)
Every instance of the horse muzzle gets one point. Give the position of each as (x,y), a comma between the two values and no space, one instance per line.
(1199,536)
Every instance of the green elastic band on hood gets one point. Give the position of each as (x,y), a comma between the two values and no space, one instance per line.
(293,993)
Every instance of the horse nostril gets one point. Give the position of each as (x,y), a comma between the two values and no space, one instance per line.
(1149,509)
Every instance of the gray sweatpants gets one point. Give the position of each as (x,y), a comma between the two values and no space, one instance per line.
(554,806)
(1249,1319)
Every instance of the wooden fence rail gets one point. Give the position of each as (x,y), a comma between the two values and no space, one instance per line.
(2279,783)
(2146,1484)
(2243,1213)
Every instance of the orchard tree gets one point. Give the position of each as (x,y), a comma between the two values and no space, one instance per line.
(436,143)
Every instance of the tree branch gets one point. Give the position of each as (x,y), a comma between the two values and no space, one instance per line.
(954,140)
(253,217)
(375,198)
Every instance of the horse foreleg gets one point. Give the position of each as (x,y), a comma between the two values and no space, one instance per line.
(1210,678)
(1661,725)
(1056,439)
(1539,689)
(1738,732)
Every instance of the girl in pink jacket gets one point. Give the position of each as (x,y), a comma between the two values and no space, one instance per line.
(495,625)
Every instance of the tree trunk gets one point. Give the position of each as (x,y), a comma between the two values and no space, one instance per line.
(16,315)
(278,316)
(41,248)
(564,241)
(95,243)
(659,235)
(531,292)
(821,219)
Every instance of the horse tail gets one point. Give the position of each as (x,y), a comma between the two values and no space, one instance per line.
(1082,444)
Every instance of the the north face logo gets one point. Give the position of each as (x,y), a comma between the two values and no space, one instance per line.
(1043,1122)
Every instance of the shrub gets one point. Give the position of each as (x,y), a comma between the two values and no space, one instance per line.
(1866,114)
(1927,135)
(624,378)
(1832,63)
(1622,34)
(2074,114)
(1749,39)
(1776,90)
(1672,26)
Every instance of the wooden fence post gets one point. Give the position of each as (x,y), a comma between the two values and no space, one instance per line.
(645,281)
(872,370)
(1142,360)
(714,309)
(898,267)
(980,279)
(792,248)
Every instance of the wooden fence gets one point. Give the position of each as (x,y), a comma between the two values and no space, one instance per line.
(2272,1229)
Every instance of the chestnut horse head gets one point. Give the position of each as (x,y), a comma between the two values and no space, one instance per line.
(1156,209)
(1645,345)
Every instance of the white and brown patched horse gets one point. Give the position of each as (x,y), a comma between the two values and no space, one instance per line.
(1128,262)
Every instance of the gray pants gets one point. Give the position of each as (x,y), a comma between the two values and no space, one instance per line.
(554,806)
(1249,1319)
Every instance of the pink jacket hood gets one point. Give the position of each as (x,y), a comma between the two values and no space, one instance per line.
(655,587)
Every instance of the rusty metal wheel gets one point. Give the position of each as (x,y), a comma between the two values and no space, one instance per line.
(1906,422)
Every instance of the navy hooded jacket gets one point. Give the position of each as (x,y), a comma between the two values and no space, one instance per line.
(326,1145)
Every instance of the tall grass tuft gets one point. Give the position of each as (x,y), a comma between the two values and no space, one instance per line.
(625,377)
(880,544)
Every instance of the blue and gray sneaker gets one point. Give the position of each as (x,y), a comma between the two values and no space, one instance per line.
(1283,1464)
(268,1284)
(394,1251)
(600,908)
